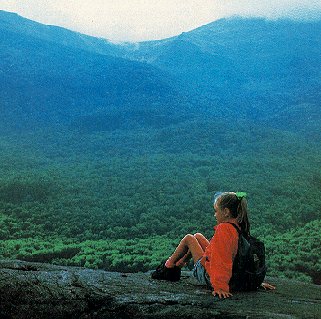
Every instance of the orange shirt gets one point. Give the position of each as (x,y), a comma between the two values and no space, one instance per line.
(219,255)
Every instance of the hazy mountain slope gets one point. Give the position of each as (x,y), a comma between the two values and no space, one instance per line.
(46,82)
(254,67)
(274,56)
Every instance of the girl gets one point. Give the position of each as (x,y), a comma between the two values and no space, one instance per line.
(213,260)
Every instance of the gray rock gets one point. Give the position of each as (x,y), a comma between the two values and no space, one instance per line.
(35,290)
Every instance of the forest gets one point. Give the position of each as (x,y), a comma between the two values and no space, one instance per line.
(121,200)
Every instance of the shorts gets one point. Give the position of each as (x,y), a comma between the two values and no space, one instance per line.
(201,275)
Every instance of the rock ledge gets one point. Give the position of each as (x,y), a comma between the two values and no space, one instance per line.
(35,290)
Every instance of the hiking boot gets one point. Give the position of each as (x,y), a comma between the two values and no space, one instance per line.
(164,273)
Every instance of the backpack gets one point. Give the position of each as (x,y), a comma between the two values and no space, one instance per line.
(249,267)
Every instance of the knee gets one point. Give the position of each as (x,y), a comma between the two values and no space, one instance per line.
(188,238)
(198,235)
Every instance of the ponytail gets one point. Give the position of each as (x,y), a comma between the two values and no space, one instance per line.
(237,204)
(242,216)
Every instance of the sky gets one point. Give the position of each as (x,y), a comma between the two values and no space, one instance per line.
(140,20)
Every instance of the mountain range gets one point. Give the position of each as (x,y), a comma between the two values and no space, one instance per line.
(252,69)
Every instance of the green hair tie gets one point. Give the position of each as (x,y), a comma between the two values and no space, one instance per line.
(240,195)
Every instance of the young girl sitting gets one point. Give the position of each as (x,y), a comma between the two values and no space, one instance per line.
(213,260)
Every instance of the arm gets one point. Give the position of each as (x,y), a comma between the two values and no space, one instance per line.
(220,255)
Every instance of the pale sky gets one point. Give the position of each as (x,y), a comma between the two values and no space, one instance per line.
(138,20)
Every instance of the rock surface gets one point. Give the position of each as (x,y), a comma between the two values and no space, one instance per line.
(35,290)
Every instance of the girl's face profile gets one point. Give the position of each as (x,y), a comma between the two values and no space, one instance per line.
(218,213)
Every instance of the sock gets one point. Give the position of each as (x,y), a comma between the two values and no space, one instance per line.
(169,263)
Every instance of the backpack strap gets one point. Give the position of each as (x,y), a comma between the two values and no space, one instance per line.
(240,232)
(236,227)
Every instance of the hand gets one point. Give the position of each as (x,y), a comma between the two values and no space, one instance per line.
(221,293)
(267,286)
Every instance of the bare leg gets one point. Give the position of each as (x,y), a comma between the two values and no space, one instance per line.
(188,243)
(184,260)
(202,241)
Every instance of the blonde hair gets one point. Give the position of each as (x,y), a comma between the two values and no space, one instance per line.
(238,208)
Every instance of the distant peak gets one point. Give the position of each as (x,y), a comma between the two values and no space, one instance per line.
(4,13)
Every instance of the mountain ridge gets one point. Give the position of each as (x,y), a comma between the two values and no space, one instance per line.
(57,82)
(278,56)
(55,34)
(237,68)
